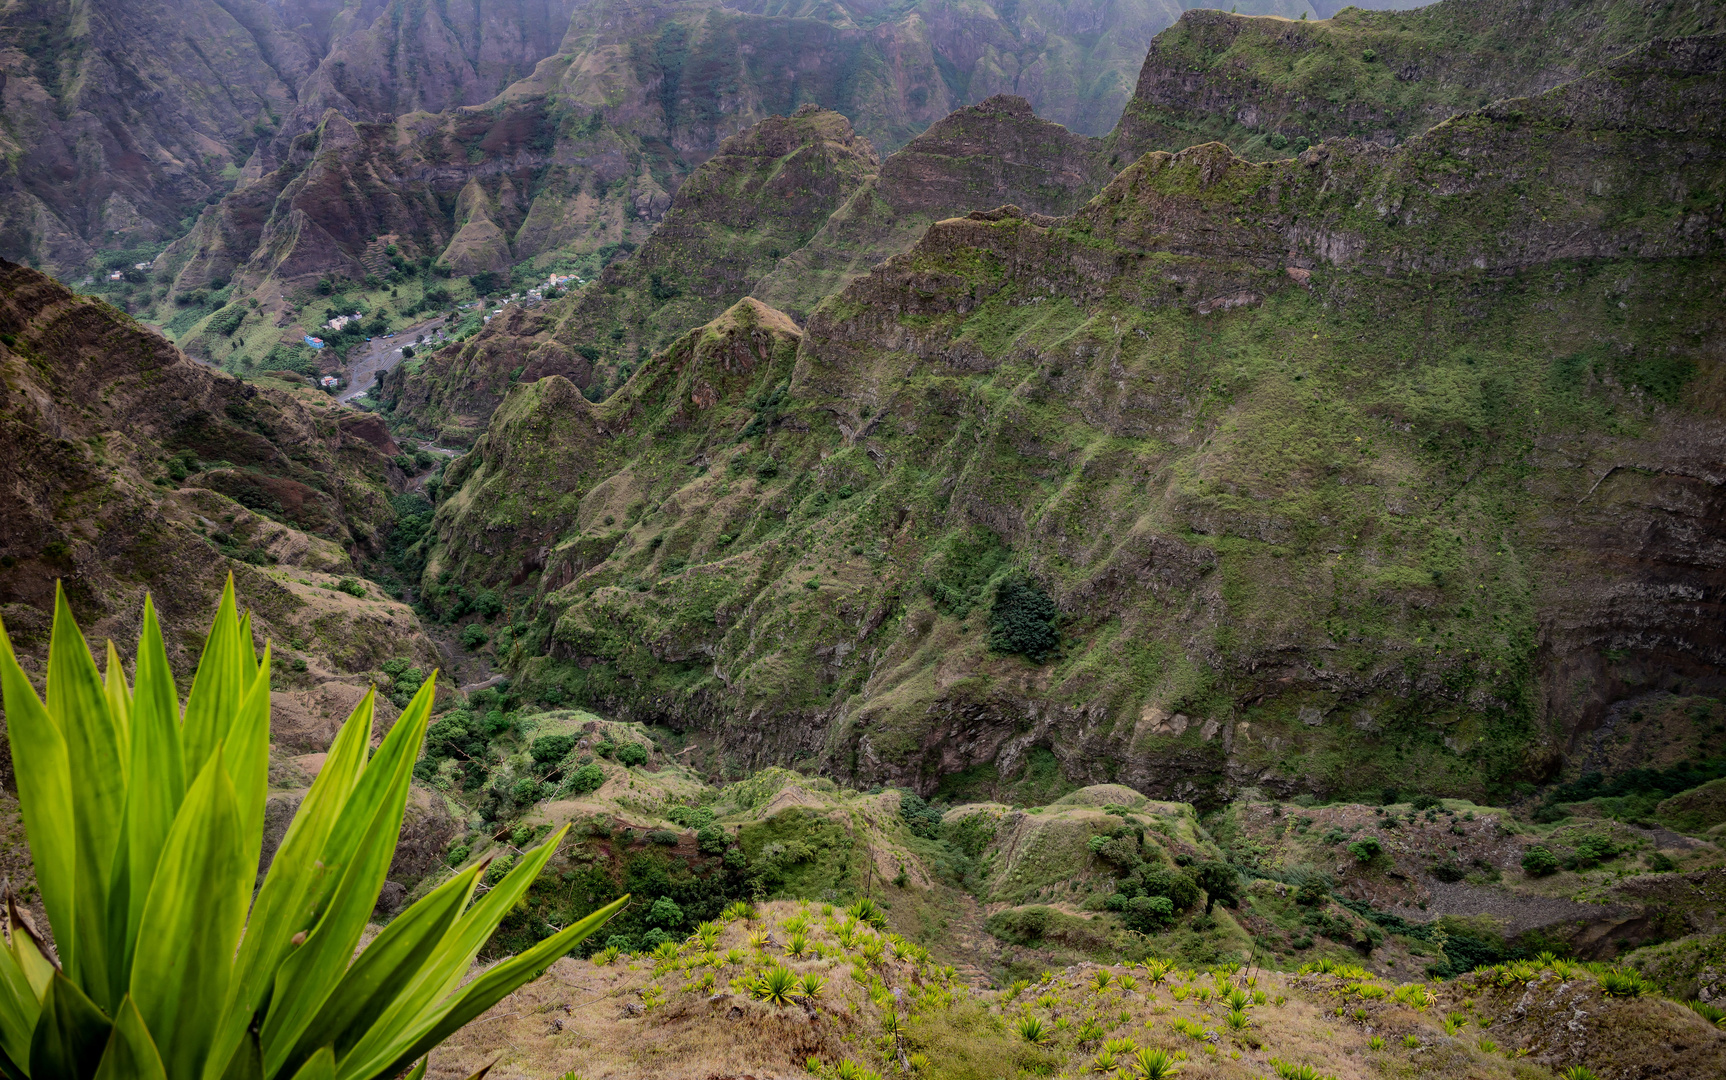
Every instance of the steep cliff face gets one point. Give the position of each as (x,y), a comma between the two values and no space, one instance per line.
(387,58)
(473,190)
(694,71)
(991,154)
(128,468)
(765,193)
(1270,87)
(1367,468)
(122,119)
(118,119)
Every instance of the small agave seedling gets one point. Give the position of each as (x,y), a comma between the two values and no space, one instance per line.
(146,829)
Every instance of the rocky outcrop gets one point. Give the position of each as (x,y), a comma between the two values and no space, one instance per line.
(1270,87)
(1375,467)
(129,468)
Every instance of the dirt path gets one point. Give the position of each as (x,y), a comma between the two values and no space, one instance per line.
(380,355)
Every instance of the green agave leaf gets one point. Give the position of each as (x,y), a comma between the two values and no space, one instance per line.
(389,769)
(489,988)
(150,807)
(383,971)
(20,1007)
(247,752)
(78,705)
(249,659)
(192,923)
(309,974)
(218,688)
(119,695)
(44,779)
(421,1003)
(298,885)
(418,1072)
(247,1063)
(319,1066)
(68,1041)
(130,1053)
(27,948)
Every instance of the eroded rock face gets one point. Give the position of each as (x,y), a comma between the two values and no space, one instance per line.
(1434,479)
(127,117)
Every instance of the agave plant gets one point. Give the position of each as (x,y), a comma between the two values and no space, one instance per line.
(1033,1030)
(1152,1063)
(146,830)
(776,985)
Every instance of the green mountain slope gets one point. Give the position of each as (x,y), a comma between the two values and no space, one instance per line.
(1375,467)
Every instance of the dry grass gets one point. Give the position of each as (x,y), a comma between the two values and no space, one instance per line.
(692,1014)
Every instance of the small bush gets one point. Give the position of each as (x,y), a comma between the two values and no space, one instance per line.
(1537,861)
(712,840)
(632,754)
(352,587)
(1148,914)
(1366,850)
(549,749)
(1022,621)
(1594,849)
(665,913)
(663,837)
(587,778)
(473,636)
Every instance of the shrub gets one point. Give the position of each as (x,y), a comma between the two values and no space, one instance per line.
(548,749)
(1180,888)
(1366,850)
(1594,849)
(352,587)
(632,754)
(1537,861)
(1148,914)
(175,991)
(587,778)
(473,636)
(1022,621)
(665,913)
(1220,881)
(712,840)
(526,791)
(663,837)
